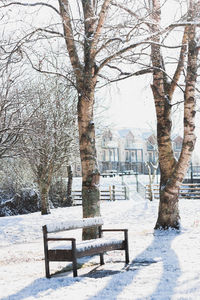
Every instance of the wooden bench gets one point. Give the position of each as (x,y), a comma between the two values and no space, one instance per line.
(72,249)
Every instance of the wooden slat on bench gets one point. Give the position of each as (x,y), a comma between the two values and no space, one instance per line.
(101,249)
(85,248)
(74,224)
(60,255)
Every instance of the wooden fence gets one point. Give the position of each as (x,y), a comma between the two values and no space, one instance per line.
(111,193)
(187,191)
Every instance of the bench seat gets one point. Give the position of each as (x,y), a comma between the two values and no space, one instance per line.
(85,248)
(89,244)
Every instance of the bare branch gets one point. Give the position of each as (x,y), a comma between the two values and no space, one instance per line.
(31,5)
(38,69)
(125,75)
(102,16)
(69,38)
(183,24)
(180,64)
(126,49)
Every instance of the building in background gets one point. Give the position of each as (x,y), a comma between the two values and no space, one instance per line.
(128,150)
(108,150)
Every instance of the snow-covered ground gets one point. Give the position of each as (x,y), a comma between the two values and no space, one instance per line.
(130,180)
(163,265)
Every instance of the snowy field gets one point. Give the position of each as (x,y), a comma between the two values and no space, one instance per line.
(163,265)
(130,180)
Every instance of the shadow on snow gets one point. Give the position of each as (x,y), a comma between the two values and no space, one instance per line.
(159,251)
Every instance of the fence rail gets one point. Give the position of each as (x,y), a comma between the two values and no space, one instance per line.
(187,191)
(112,193)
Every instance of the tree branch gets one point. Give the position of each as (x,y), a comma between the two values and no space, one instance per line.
(48,72)
(31,4)
(69,39)
(132,13)
(102,16)
(126,49)
(180,64)
(126,75)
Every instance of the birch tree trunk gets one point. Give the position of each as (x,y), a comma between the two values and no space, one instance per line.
(90,172)
(173,172)
(85,75)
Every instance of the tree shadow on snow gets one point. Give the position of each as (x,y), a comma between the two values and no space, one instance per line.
(43,286)
(158,252)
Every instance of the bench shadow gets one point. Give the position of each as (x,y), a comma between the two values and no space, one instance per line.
(159,251)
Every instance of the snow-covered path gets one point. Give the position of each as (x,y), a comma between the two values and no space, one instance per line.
(162,265)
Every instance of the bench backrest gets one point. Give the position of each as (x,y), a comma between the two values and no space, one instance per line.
(73,224)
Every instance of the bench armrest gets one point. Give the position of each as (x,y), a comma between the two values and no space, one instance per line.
(72,240)
(114,230)
(61,239)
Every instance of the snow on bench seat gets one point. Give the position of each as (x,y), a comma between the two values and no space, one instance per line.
(89,244)
(74,224)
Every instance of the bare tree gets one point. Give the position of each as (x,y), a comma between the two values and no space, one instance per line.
(99,36)
(106,41)
(50,140)
(12,124)
(163,88)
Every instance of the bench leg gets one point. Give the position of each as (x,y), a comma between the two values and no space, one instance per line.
(126,256)
(46,252)
(101,259)
(126,247)
(75,274)
(47,268)
(74,259)
(74,263)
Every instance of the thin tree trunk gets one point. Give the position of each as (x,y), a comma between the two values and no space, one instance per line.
(151,177)
(44,182)
(69,186)
(150,182)
(44,199)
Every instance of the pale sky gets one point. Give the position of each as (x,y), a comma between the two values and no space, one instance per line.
(131,103)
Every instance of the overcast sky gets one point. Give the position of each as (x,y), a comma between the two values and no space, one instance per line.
(131,103)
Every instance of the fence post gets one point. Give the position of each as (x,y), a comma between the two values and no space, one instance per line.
(110,192)
(113,192)
(127,192)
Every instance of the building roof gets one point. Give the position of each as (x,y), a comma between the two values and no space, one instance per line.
(123,132)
